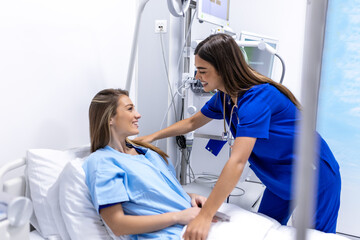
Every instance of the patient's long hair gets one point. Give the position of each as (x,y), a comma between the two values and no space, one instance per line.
(102,108)
(223,53)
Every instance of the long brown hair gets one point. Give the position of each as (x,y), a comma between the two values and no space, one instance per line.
(102,109)
(223,53)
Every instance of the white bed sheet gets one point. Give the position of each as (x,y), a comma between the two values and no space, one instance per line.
(34,235)
(286,233)
(244,225)
(255,226)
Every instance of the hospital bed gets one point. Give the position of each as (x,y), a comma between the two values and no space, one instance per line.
(55,182)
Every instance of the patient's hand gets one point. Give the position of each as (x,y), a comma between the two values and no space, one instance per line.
(187,215)
(197,200)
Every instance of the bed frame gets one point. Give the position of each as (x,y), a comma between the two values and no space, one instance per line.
(16,187)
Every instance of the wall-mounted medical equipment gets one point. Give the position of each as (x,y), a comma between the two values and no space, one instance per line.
(214,11)
(178,8)
(260,60)
(260,52)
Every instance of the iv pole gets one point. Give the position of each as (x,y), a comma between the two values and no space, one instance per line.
(140,9)
(174,6)
(305,181)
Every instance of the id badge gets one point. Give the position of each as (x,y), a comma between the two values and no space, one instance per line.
(215,146)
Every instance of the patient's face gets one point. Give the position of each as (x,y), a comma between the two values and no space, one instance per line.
(125,121)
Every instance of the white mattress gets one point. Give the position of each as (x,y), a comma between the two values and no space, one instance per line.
(249,225)
(34,235)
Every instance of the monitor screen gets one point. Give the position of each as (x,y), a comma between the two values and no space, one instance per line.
(214,11)
(261,61)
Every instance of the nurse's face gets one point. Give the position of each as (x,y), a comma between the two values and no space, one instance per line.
(125,121)
(207,74)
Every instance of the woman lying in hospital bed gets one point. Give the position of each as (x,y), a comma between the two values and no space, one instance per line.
(134,188)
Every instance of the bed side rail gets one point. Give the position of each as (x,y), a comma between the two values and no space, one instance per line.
(14,186)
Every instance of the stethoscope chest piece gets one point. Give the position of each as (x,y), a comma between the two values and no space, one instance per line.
(225,136)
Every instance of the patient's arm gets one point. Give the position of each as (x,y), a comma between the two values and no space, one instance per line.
(121,224)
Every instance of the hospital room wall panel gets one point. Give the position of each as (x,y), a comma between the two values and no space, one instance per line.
(55,55)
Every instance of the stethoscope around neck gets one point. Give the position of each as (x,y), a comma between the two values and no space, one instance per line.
(226,134)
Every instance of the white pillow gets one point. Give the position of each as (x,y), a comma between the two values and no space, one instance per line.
(53,203)
(72,208)
(42,169)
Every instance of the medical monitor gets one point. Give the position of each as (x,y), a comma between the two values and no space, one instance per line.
(214,11)
(261,61)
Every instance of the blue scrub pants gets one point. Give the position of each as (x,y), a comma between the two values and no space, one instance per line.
(327,207)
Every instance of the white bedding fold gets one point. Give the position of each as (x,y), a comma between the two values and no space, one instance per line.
(243,225)
(255,226)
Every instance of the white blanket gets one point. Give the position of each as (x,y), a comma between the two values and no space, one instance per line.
(255,226)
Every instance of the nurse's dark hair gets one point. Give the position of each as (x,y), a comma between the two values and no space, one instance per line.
(224,54)
(102,108)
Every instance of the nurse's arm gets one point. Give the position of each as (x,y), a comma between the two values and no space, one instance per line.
(227,181)
(230,174)
(182,127)
(121,224)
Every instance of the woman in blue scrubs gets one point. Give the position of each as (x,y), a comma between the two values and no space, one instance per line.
(262,116)
(132,185)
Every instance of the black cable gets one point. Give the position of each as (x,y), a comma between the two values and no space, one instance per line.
(235,195)
(182,109)
(181,141)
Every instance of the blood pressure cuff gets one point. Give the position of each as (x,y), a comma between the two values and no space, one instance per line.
(215,146)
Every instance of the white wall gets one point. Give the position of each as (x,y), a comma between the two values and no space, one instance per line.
(54,57)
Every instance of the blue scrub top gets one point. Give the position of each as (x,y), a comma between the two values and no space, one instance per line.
(265,113)
(144,184)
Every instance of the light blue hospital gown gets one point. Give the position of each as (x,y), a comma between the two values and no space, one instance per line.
(144,184)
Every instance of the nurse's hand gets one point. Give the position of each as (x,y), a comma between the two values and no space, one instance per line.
(198,229)
(197,200)
(187,215)
(146,139)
